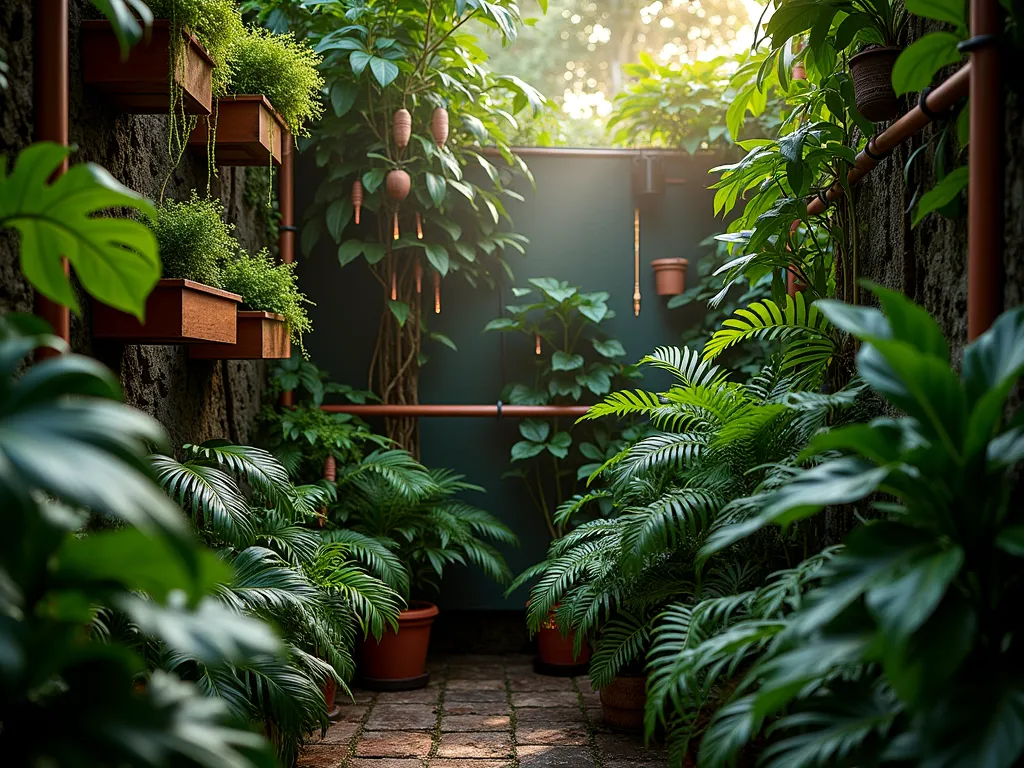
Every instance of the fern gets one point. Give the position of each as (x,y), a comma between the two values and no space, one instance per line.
(686,365)
(623,641)
(767,320)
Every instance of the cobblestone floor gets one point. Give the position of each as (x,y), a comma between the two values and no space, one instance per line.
(480,712)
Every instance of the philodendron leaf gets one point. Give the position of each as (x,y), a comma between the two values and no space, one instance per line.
(535,430)
(940,10)
(115,260)
(919,62)
(122,16)
(437,255)
(942,193)
(609,348)
(400,310)
(524,449)
(383,70)
(559,445)
(349,251)
(437,188)
(563,361)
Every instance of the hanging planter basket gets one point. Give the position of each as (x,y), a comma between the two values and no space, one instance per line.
(871,71)
(249,132)
(140,84)
(260,336)
(669,276)
(177,312)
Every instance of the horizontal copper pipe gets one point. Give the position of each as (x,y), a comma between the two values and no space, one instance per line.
(607,152)
(940,100)
(463,411)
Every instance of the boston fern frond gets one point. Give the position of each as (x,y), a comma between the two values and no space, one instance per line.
(686,365)
(666,523)
(767,320)
(375,554)
(623,641)
(264,473)
(624,403)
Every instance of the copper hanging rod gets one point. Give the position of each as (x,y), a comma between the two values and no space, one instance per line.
(497,410)
(940,99)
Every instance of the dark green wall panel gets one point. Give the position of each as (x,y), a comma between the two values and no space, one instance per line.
(580,225)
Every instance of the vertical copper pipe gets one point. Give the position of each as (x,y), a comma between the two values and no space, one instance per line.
(286,241)
(50,52)
(985,160)
(636,262)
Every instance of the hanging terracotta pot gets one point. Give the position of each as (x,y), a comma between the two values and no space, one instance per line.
(401,128)
(357,198)
(669,276)
(398,184)
(398,661)
(622,702)
(871,70)
(439,126)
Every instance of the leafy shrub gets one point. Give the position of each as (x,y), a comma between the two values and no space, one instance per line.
(268,287)
(194,239)
(282,69)
(215,24)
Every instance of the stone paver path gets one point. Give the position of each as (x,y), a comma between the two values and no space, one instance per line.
(479,712)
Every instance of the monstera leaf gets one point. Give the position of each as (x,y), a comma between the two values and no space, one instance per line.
(115,259)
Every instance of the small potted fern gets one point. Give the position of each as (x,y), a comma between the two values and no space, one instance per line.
(273,314)
(179,67)
(274,89)
(422,527)
(189,304)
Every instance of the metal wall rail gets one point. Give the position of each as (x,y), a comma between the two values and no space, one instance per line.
(498,410)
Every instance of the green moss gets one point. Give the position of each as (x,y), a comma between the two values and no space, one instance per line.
(269,287)
(282,69)
(194,240)
(215,24)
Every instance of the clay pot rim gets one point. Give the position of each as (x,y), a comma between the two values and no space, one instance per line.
(670,263)
(878,50)
(418,610)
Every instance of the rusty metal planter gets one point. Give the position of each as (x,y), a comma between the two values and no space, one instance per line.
(248,130)
(261,336)
(141,83)
(177,312)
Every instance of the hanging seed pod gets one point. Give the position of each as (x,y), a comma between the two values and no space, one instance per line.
(398,184)
(401,128)
(418,271)
(437,293)
(394,283)
(357,198)
(419,226)
(537,349)
(395,234)
(439,126)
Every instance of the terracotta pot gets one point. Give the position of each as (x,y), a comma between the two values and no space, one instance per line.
(140,83)
(439,126)
(622,703)
(556,650)
(248,132)
(871,71)
(669,276)
(398,184)
(177,312)
(401,128)
(260,336)
(398,662)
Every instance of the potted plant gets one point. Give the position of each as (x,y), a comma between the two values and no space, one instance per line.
(871,28)
(274,89)
(422,527)
(190,304)
(273,313)
(574,361)
(624,698)
(669,276)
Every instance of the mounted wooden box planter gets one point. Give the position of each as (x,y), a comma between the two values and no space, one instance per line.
(177,312)
(248,130)
(260,336)
(141,83)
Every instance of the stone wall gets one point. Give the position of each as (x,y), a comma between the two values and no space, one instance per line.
(195,400)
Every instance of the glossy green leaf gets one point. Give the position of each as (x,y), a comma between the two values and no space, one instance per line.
(918,64)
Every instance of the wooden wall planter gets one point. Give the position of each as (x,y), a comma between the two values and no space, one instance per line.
(177,312)
(261,336)
(248,129)
(140,84)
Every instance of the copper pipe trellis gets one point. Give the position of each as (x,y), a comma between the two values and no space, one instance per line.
(286,237)
(50,49)
(498,410)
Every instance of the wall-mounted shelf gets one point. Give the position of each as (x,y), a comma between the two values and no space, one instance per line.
(260,336)
(177,312)
(248,129)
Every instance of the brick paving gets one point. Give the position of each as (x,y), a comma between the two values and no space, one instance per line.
(479,712)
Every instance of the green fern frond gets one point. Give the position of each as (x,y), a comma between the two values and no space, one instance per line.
(686,365)
(623,641)
(767,320)
(679,514)
(660,451)
(624,403)
(264,473)
(571,506)
(374,553)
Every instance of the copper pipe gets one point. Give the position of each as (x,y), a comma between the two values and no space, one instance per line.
(477,411)
(50,51)
(286,239)
(941,99)
(636,262)
(985,187)
(584,152)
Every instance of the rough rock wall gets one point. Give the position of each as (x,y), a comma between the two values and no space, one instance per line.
(195,400)
(929,262)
